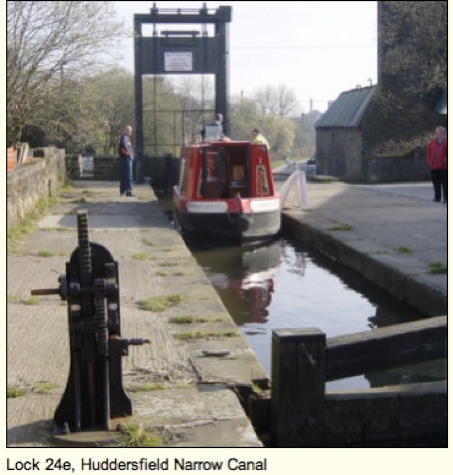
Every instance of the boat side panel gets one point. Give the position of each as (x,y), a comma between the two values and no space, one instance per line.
(226,226)
(193,164)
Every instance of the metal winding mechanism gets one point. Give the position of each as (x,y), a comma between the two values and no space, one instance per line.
(94,392)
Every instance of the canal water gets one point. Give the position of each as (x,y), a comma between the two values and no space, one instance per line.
(285,284)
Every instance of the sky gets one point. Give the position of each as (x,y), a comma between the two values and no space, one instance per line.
(318,49)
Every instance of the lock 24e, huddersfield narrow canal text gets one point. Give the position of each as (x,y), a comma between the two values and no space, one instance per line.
(107,464)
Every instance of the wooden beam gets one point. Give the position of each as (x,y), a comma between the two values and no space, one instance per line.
(385,348)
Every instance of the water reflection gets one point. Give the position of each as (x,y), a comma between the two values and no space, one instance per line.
(243,277)
(284,284)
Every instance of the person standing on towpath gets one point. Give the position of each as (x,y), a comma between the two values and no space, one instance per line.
(437,159)
(126,156)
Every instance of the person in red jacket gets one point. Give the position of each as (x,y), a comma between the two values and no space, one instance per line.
(437,158)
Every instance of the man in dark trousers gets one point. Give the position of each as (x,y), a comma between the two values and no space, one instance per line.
(126,156)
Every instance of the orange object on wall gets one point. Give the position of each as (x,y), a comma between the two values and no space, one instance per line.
(11,159)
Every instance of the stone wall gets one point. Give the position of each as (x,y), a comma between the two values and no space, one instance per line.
(399,169)
(162,172)
(74,165)
(32,181)
(343,153)
(339,153)
(106,168)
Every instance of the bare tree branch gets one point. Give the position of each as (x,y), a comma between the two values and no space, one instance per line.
(46,40)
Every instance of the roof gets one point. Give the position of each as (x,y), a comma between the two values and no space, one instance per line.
(348,109)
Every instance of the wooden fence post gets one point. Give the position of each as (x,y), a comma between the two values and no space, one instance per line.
(298,387)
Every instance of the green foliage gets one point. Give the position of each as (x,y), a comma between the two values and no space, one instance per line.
(45,387)
(414,45)
(112,94)
(438,268)
(187,319)
(17,233)
(413,74)
(160,303)
(195,335)
(47,253)
(404,250)
(140,256)
(341,227)
(133,435)
(13,392)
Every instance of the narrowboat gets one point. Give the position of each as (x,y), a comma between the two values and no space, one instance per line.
(226,192)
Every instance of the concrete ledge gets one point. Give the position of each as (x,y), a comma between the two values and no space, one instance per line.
(377,265)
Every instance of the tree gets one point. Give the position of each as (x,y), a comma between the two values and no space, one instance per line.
(276,100)
(413,46)
(279,131)
(112,93)
(265,97)
(287,100)
(49,41)
(305,139)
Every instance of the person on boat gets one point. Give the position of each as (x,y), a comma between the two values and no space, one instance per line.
(218,119)
(214,130)
(257,136)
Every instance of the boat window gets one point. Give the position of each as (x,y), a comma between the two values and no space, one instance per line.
(238,172)
(211,165)
(213,176)
(262,187)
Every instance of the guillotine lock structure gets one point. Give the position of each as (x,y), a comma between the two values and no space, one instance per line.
(177,51)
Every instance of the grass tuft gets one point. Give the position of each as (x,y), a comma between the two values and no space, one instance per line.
(404,250)
(194,335)
(437,268)
(12,392)
(341,227)
(133,435)
(160,303)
